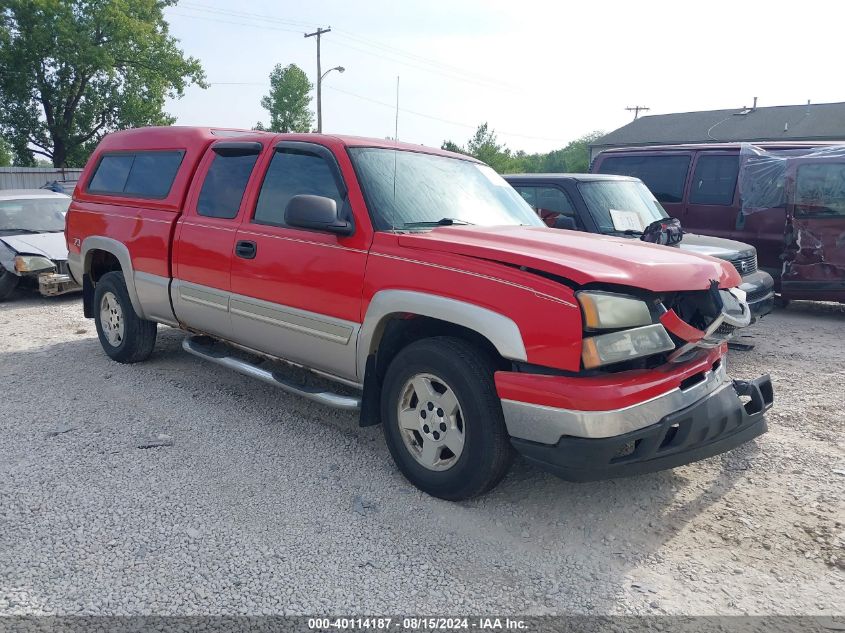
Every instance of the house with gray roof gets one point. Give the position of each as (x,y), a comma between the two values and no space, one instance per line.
(808,122)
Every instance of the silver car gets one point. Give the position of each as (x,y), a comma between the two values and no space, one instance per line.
(32,242)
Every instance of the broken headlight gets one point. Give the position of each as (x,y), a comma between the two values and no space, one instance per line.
(32,264)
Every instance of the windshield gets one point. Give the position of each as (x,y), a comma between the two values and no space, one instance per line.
(620,206)
(410,191)
(33,215)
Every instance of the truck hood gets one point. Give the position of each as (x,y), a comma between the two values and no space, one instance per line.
(715,246)
(580,257)
(49,245)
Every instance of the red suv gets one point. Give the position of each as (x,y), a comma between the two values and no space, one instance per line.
(419,281)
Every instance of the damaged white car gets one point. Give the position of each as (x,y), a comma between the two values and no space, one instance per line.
(32,242)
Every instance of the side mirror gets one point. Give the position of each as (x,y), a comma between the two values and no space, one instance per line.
(565,222)
(317,213)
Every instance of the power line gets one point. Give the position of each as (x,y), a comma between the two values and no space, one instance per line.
(435,118)
(222,21)
(412,60)
(392,106)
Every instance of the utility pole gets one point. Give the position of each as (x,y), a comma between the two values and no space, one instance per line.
(318,33)
(635,109)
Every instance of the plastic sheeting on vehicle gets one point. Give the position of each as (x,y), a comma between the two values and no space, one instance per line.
(763,174)
(808,185)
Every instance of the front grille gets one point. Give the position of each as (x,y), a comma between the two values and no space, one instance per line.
(725,331)
(62,267)
(745,265)
(757,294)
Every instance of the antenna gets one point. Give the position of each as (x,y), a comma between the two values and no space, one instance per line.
(395,152)
(636,110)
(396,125)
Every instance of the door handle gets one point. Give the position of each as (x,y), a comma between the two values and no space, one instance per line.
(246,249)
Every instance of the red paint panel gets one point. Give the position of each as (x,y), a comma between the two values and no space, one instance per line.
(145,232)
(545,311)
(581,257)
(301,269)
(601,393)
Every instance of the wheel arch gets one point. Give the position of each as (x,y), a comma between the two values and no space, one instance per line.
(501,332)
(96,253)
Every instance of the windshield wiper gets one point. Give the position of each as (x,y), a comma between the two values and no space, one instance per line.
(440,222)
(25,231)
(625,232)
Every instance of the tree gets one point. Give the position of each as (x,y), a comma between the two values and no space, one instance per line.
(288,100)
(5,153)
(451,146)
(484,146)
(576,155)
(74,71)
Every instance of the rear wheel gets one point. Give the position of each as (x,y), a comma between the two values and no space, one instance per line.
(442,419)
(125,336)
(8,283)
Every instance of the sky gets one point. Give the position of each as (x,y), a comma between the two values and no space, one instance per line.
(539,73)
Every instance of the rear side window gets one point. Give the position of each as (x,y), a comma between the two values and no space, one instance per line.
(292,173)
(136,174)
(820,190)
(224,185)
(664,175)
(714,180)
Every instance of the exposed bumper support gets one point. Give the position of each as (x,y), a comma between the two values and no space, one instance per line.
(52,284)
(717,423)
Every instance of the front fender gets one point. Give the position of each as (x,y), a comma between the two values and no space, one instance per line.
(500,330)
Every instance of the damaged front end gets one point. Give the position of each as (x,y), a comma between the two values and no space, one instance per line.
(704,319)
(624,331)
(653,392)
(52,277)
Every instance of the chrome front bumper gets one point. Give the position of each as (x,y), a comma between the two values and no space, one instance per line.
(546,425)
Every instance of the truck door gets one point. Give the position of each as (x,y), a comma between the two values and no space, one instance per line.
(205,237)
(814,259)
(296,293)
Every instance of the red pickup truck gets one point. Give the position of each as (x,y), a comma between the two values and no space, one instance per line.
(426,288)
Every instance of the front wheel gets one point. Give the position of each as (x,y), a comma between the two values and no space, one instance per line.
(443,420)
(125,337)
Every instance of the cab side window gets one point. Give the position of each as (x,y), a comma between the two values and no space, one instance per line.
(225,183)
(714,180)
(292,173)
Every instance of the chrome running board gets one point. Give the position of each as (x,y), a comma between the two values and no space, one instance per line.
(197,346)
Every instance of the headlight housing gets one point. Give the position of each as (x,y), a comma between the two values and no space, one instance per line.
(32,263)
(617,347)
(612,311)
(637,335)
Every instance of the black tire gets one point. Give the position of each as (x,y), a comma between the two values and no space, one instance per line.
(486,453)
(139,336)
(8,283)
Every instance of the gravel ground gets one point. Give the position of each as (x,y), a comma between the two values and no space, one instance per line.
(247,500)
